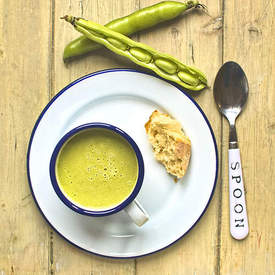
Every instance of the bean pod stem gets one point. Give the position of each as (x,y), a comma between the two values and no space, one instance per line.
(162,64)
(140,20)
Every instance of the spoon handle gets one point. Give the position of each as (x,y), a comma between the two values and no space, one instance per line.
(238,215)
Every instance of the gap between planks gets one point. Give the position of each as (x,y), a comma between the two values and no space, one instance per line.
(50,95)
(51,61)
(221,161)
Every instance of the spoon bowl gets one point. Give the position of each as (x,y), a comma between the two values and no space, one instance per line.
(231,89)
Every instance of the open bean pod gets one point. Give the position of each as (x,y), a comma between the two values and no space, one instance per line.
(162,64)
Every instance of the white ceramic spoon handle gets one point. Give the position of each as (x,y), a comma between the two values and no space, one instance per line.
(238,215)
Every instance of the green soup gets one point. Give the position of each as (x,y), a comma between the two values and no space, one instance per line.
(97,169)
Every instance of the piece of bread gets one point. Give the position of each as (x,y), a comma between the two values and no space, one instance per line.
(171,146)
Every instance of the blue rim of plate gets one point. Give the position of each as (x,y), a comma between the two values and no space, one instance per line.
(110,71)
(69,203)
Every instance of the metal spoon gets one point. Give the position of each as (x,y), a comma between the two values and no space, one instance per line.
(230,93)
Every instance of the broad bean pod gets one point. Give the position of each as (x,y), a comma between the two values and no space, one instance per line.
(164,65)
(130,24)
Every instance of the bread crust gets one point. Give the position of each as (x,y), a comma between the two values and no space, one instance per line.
(170,145)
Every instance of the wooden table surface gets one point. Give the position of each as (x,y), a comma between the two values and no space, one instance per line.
(32,72)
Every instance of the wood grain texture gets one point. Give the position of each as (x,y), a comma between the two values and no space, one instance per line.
(249,40)
(23,51)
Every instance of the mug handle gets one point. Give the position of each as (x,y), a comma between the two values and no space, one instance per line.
(137,213)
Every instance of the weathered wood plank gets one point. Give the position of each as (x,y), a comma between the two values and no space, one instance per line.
(249,40)
(194,39)
(24,49)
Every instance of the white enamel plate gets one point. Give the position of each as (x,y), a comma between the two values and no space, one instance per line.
(126,98)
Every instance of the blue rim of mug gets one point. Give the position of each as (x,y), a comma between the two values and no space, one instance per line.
(71,134)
